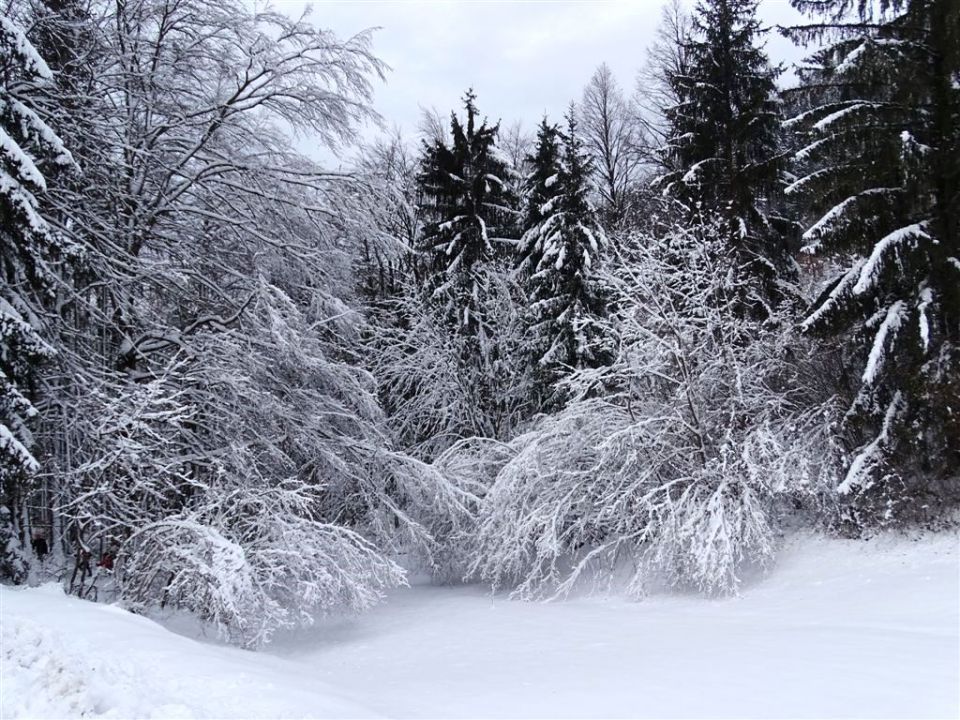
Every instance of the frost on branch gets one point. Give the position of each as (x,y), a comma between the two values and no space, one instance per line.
(685,464)
(254,560)
(250,481)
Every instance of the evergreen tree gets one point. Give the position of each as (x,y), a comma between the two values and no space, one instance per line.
(879,171)
(28,250)
(540,186)
(560,251)
(723,146)
(468,210)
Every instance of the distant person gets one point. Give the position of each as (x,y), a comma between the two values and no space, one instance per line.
(106,560)
(40,546)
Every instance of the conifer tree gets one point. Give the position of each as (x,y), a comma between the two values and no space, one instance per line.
(468,210)
(540,184)
(29,249)
(560,252)
(723,146)
(879,172)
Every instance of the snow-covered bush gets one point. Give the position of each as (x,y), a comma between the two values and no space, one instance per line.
(252,559)
(678,457)
(441,385)
(250,482)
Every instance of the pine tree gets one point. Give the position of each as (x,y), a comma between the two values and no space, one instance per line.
(879,171)
(560,251)
(28,250)
(540,186)
(469,212)
(723,146)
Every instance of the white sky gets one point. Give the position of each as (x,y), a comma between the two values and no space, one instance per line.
(522,57)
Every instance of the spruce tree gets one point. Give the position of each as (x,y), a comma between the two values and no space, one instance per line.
(29,249)
(540,185)
(560,251)
(723,147)
(469,212)
(879,172)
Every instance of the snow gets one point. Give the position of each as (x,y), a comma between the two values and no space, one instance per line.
(888,329)
(841,288)
(26,169)
(855,106)
(834,215)
(869,274)
(840,628)
(926,299)
(64,657)
(13,37)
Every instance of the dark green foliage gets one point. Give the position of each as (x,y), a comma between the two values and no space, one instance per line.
(878,171)
(29,251)
(13,564)
(539,187)
(723,148)
(561,249)
(469,212)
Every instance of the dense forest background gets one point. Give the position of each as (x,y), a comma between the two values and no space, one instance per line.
(655,333)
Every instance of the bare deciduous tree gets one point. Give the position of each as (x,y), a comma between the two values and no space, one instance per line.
(654,93)
(612,138)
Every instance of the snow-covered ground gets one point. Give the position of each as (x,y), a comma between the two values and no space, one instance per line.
(69,658)
(839,629)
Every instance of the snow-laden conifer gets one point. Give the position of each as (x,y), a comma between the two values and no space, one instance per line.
(468,212)
(561,251)
(878,130)
(723,147)
(29,252)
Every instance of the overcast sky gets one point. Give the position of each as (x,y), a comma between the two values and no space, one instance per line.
(523,58)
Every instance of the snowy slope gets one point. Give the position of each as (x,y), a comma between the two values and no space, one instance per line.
(839,629)
(67,658)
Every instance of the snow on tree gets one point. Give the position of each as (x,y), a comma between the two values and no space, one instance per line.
(439,385)
(448,350)
(878,128)
(560,255)
(723,148)
(380,211)
(250,482)
(30,251)
(468,211)
(212,410)
(683,466)
(611,138)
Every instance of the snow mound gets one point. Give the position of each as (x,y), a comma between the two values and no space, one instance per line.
(67,658)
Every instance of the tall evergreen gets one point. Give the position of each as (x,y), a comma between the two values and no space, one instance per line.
(560,252)
(468,209)
(723,147)
(879,171)
(540,183)
(29,249)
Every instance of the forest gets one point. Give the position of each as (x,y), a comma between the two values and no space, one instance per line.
(708,306)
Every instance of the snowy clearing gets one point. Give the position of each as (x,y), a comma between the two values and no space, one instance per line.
(839,629)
